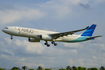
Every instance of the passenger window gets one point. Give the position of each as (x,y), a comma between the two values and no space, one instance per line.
(6,28)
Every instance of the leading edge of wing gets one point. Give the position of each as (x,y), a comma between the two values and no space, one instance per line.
(57,35)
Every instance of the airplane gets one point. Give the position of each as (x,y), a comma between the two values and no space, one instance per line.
(35,35)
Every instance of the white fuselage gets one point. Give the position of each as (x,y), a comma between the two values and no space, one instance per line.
(34,33)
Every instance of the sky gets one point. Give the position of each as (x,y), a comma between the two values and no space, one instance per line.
(53,15)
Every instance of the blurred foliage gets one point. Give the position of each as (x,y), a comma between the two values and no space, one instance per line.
(31,69)
(47,69)
(102,68)
(15,68)
(39,68)
(92,69)
(24,67)
(67,68)
(1,69)
(62,69)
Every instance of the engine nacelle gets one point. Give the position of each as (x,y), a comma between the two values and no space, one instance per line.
(45,37)
(33,40)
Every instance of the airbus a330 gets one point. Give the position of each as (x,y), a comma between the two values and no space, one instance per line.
(35,35)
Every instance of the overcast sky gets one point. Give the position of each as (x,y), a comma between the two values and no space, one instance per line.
(54,15)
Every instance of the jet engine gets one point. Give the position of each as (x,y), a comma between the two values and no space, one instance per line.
(33,40)
(46,37)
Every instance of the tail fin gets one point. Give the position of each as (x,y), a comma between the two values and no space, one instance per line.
(89,31)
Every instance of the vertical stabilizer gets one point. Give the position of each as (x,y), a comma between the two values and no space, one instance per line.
(89,31)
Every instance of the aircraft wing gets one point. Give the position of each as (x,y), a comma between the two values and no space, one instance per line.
(57,35)
(93,37)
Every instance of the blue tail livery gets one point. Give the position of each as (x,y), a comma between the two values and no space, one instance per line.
(89,31)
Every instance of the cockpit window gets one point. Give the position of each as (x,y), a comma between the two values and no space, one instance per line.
(6,28)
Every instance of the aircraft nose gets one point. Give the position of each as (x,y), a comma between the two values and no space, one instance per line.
(3,30)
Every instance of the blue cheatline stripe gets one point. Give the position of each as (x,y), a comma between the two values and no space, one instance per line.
(89,31)
(80,39)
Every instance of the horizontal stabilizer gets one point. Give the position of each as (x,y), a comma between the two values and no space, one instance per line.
(89,38)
